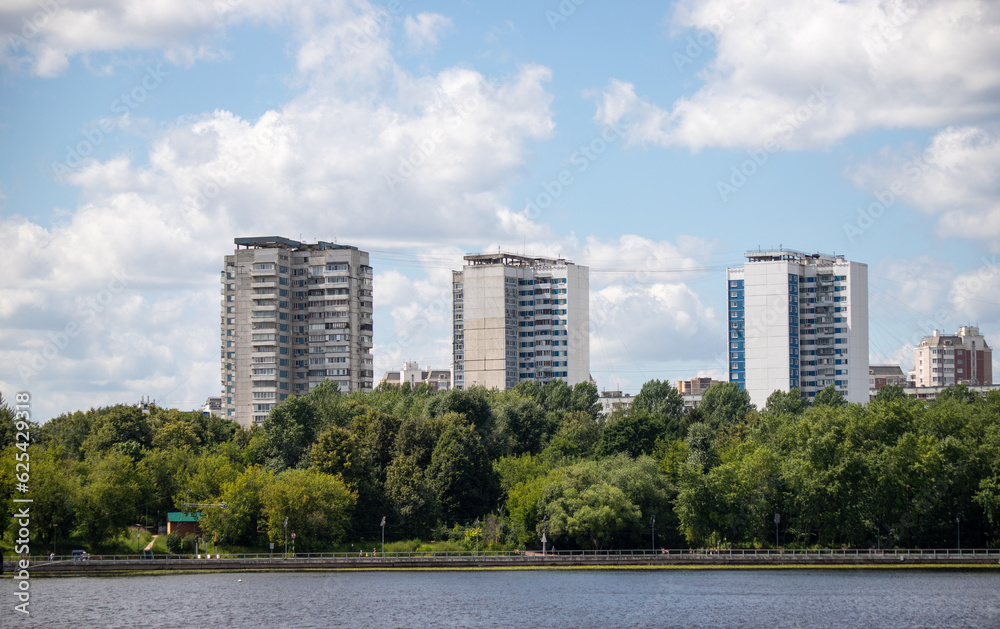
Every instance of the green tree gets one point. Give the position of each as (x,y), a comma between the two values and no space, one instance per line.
(176,434)
(242,520)
(68,432)
(889,393)
(473,403)
(577,504)
(700,446)
(960,392)
(208,474)
(512,471)
(53,492)
(790,403)
(522,425)
(289,431)
(634,433)
(461,474)
(114,491)
(318,507)
(725,404)
(417,437)
(586,399)
(338,452)
(120,424)
(659,398)
(169,471)
(829,396)
(412,498)
(8,430)
(522,504)
(578,435)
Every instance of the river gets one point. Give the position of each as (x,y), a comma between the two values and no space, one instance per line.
(873,598)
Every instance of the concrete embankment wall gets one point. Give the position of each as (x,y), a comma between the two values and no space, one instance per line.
(697,560)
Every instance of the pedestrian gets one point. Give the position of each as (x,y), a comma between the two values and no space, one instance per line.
(374,552)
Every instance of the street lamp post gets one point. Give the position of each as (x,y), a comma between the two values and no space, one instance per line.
(958,528)
(777,518)
(545,529)
(284,551)
(383,536)
(652,531)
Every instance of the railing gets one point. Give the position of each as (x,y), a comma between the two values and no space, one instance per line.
(533,554)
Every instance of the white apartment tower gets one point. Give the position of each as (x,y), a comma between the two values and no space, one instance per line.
(520,319)
(798,320)
(293,315)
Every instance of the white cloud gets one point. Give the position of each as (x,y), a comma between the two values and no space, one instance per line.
(877,64)
(46,35)
(425,30)
(956,177)
(314,168)
(910,298)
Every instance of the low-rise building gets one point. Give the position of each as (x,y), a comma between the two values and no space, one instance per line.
(615,400)
(437,379)
(883,375)
(212,406)
(931,393)
(183,523)
(695,386)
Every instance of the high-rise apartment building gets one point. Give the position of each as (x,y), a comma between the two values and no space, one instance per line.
(293,315)
(798,320)
(520,319)
(946,360)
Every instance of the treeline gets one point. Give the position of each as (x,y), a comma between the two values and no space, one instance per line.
(504,467)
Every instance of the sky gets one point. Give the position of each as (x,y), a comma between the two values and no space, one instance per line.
(654,142)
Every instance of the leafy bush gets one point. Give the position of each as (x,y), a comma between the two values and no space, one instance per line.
(174,542)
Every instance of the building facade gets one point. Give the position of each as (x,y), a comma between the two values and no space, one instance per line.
(695,386)
(411,373)
(945,360)
(612,401)
(520,319)
(293,315)
(798,320)
(884,375)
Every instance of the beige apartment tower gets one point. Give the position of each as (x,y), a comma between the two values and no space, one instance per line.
(293,316)
(943,360)
(520,319)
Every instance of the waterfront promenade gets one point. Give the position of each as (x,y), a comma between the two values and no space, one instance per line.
(676,558)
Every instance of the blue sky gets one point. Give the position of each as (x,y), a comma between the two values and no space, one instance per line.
(139,138)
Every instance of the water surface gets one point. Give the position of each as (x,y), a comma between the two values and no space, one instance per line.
(878,599)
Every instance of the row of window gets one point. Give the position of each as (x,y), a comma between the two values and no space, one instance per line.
(542,280)
(554,374)
(532,354)
(531,324)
